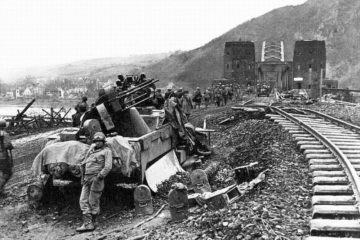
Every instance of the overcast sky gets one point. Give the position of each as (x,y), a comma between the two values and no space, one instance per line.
(47,32)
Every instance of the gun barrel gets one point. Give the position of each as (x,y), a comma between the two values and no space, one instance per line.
(139,87)
(134,99)
(145,99)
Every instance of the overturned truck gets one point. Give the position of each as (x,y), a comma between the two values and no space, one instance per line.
(145,142)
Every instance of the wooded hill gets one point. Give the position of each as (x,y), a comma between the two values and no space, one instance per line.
(335,21)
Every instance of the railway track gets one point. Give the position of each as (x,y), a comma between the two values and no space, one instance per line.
(332,148)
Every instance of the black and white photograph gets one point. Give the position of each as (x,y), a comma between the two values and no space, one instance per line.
(179,119)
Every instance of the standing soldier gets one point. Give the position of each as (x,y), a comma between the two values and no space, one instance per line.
(197,97)
(6,161)
(224,94)
(207,97)
(217,96)
(95,167)
(186,104)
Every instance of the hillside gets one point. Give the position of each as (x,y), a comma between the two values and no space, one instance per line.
(102,67)
(335,21)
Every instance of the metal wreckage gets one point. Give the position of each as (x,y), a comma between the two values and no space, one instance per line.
(148,147)
(146,143)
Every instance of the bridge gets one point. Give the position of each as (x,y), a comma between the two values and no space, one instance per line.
(272,68)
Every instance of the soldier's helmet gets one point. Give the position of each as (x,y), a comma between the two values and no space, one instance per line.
(121,77)
(82,107)
(2,123)
(142,76)
(99,136)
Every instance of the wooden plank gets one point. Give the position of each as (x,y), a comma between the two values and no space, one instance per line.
(320,155)
(331,225)
(334,210)
(317,151)
(345,141)
(330,238)
(305,135)
(332,189)
(348,146)
(341,137)
(332,161)
(296,131)
(333,200)
(328,173)
(323,161)
(311,146)
(308,142)
(300,138)
(325,167)
(330,180)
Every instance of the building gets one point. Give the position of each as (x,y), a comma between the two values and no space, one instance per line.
(28,92)
(239,62)
(309,64)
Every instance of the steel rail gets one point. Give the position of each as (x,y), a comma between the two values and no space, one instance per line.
(343,160)
(335,120)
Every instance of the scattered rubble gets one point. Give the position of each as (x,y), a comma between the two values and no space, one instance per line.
(349,113)
(277,209)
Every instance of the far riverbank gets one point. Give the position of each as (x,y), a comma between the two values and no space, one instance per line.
(44,103)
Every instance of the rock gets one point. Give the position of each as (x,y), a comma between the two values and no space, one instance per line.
(247,237)
(300,232)
(225,224)
(265,236)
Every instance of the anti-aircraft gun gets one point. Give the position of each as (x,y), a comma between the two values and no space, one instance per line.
(112,108)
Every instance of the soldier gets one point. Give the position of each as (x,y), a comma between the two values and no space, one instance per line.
(168,93)
(197,97)
(186,104)
(84,102)
(95,167)
(217,96)
(224,94)
(158,100)
(207,97)
(80,110)
(141,79)
(121,83)
(6,161)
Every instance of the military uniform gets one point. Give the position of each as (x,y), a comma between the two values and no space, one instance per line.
(5,160)
(95,167)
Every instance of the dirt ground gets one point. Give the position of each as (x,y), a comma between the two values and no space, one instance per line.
(279,208)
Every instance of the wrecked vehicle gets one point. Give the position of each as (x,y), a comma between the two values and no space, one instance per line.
(263,90)
(145,143)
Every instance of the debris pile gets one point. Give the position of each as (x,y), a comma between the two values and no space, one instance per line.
(165,187)
(345,112)
(279,208)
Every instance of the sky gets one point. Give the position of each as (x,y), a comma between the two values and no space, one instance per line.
(49,32)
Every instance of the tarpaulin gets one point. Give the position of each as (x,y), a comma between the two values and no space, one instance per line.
(74,152)
(70,152)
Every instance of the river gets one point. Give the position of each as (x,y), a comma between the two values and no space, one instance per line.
(12,110)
